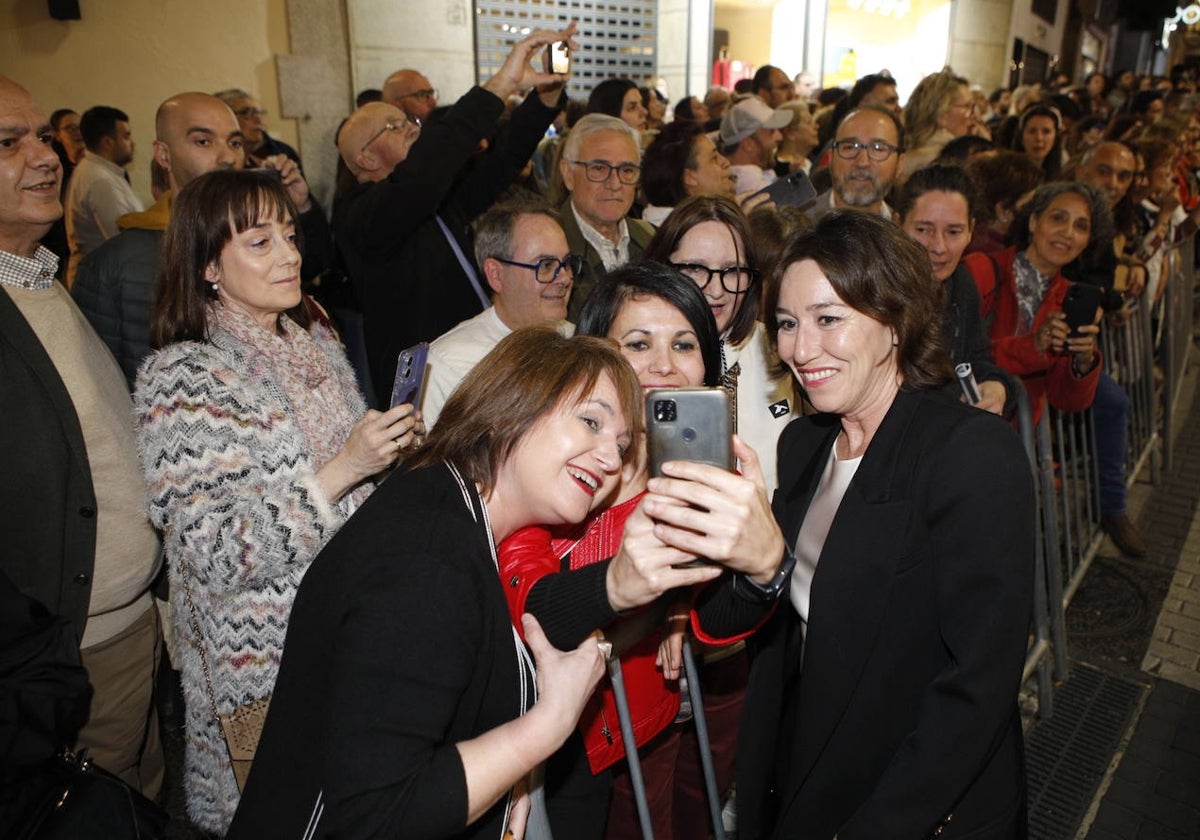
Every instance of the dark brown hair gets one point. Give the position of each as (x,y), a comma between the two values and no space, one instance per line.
(710,208)
(524,378)
(205,216)
(877,270)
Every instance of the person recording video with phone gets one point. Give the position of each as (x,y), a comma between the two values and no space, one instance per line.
(882,695)
(1022,291)
(256,446)
(630,552)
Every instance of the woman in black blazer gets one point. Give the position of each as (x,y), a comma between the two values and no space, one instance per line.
(882,699)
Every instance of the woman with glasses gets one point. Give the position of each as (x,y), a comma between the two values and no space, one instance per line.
(575,579)
(708,239)
(940,108)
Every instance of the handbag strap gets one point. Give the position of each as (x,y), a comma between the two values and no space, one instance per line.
(199,637)
(467,268)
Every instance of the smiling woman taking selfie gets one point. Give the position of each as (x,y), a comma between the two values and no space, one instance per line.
(256,446)
(407,705)
(882,696)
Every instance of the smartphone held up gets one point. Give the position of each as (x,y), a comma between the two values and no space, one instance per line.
(557,58)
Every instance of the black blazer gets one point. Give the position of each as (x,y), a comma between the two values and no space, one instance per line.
(399,646)
(905,710)
(47,503)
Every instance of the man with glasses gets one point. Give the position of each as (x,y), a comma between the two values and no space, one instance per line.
(601,166)
(251,117)
(402,230)
(522,252)
(868,151)
(411,92)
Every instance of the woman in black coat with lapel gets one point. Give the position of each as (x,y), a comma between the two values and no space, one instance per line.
(882,699)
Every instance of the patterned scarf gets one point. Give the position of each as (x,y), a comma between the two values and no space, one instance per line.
(306,379)
(1031,288)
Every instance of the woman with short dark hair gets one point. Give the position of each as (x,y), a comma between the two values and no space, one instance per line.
(882,697)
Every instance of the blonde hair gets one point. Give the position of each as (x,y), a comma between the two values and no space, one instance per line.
(931,98)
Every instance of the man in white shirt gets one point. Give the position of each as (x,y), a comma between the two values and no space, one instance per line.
(522,251)
(99,192)
(601,166)
(750,134)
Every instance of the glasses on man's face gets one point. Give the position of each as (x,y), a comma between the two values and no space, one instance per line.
(248,112)
(877,150)
(546,269)
(393,124)
(600,171)
(424,95)
(737,275)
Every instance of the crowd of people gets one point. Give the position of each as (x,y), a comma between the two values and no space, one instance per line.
(421,598)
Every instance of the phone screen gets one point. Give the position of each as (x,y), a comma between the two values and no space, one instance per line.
(558,58)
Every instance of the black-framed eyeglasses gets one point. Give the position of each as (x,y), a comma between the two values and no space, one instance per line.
(427,93)
(702,275)
(247,112)
(877,150)
(393,124)
(546,269)
(599,171)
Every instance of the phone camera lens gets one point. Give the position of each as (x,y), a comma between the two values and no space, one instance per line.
(688,435)
(664,411)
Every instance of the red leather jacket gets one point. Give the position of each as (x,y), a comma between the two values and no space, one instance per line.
(532,553)
(1046,375)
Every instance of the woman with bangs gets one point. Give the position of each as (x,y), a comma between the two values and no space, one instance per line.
(709,240)
(577,579)
(256,445)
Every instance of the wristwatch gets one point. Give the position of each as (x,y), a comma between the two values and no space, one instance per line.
(745,586)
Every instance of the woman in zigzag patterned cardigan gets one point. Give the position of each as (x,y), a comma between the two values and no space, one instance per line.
(256,444)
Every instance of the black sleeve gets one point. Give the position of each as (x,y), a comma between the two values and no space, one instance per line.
(317,240)
(571,605)
(492,172)
(978,344)
(377,218)
(724,614)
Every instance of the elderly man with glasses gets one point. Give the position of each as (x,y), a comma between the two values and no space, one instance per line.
(601,166)
(402,229)
(522,251)
(411,92)
(868,152)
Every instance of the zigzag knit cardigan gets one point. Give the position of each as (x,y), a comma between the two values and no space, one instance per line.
(234,492)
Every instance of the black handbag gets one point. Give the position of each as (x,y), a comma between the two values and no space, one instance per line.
(78,800)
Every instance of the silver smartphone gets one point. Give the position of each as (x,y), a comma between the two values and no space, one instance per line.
(688,424)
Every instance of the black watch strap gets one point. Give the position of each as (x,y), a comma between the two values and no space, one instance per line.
(749,589)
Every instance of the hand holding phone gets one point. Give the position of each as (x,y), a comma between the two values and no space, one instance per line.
(1080,306)
(792,190)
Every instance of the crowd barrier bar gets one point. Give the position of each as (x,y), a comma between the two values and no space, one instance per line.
(1062,447)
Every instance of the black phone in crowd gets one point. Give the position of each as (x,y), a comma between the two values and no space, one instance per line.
(1080,305)
(793,190)
(688,424)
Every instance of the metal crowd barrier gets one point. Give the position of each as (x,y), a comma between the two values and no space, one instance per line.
(1061,448)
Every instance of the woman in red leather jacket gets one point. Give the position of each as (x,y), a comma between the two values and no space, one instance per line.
(1022,288)
(567,580)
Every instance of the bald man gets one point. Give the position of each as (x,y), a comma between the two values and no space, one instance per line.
(402,230)
(195,133)
(72,496)
(411,92)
